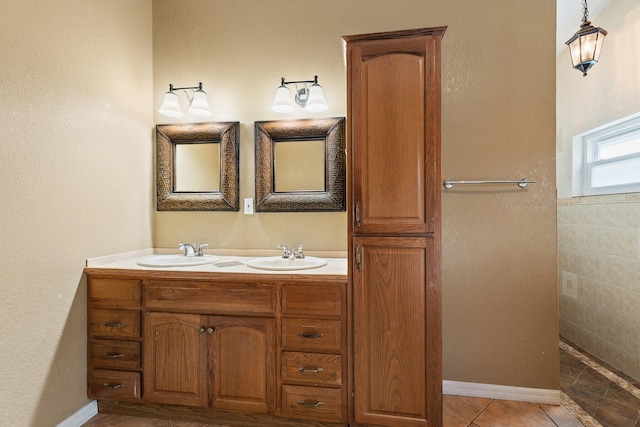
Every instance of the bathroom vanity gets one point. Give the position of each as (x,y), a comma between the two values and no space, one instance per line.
(230,348)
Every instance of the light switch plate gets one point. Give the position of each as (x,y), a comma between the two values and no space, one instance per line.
(248,206)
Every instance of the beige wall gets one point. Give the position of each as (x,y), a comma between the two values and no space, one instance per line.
(598,237)
(75,182)
(499,247)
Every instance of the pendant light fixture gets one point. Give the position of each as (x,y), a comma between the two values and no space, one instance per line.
(586,44)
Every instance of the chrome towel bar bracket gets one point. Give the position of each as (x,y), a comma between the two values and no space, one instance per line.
(522,183)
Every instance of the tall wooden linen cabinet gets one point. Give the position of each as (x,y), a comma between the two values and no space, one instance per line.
(393,122)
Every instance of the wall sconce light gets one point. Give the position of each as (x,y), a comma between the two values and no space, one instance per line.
(198,103)
(586,44)
(309,98)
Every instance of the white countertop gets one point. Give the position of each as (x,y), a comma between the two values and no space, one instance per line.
(231,261)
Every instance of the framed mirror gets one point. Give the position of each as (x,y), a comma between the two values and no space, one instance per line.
(300,165)
(197,167)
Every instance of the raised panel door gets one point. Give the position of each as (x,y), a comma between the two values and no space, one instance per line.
(393,332)
(394,107)
(242,363)
(175,359)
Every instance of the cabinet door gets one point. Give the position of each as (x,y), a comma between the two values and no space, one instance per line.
(396,332)
(242,362)
(175,359)
(394,107)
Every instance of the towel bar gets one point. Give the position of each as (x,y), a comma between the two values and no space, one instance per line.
(522,183)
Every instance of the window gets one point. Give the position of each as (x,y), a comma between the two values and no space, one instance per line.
(606,160)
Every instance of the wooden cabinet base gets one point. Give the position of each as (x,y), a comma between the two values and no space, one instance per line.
(205,415)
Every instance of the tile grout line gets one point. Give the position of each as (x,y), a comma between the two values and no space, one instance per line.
(601,370)
(480,412)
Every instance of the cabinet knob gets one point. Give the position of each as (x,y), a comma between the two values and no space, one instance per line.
(210,330)
(201,330)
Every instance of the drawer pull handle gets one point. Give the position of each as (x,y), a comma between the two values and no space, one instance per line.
(308,404)
(113,386)
(113,355)
(310,370)
(113,324)
(310,336)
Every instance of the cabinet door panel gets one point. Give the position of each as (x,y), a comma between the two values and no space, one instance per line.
(242,359)
(390,320)
(394,104)
(175,365)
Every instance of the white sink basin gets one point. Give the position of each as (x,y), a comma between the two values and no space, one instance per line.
(166,261)
(277,263)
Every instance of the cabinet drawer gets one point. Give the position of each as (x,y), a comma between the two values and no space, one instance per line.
(323,404)
(114,385)
(312,368)
(115,323)
(114,293)
(311,334)
(110,354)
(209,297)
(305,300)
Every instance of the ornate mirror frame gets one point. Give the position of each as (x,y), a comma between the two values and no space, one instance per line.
(228,197)
(332,131)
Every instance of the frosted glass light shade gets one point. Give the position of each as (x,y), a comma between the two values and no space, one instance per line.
(585,47)
(282,103)
(316,101)
(170,105)
(200,104)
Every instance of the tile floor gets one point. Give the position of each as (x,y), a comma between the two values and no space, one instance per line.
(611,398)
(594,395)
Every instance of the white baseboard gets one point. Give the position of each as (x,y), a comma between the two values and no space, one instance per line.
(502,392)
(82,416)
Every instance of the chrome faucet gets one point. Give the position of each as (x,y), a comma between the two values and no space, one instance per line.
(286,252)
(192,249)
(290,253)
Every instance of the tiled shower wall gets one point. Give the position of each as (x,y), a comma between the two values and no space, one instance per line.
(599,277)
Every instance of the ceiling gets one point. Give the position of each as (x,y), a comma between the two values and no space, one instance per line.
(569,18)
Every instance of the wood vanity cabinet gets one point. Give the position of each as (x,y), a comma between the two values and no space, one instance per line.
(393,117)
(218,347)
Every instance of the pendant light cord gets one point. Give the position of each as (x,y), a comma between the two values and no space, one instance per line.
(585,11)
